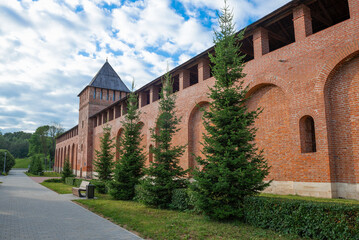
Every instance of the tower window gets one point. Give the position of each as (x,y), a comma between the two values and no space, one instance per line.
(307,134)
(114,96)
(94,93)
(108,94)
(101,94)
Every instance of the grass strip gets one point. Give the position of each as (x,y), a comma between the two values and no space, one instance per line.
(60,188)
(22,163)
(166,224)
(46,174)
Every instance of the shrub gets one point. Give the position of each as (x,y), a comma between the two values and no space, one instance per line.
(10,160)
(36,165)
(100,186)
(77,182)
(305,218)
(180,199)
(53,180)
(70,181)
(140,193)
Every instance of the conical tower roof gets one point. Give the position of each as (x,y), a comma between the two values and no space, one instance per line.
(107,78)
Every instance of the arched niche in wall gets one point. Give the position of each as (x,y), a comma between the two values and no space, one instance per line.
(342,114)
(195,134)
(307,135)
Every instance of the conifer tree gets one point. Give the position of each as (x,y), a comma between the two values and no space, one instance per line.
(104,158)
(164,174)
(66,171)
(129,166)
(233,168)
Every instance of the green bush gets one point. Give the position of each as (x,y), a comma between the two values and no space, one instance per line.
(10,160)
(70,181)
(36,165)
(100,186)
(140,193)
(77,182)
(305,218)
(180,199)
(53,180)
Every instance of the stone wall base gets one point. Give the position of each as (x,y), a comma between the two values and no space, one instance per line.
(314,189)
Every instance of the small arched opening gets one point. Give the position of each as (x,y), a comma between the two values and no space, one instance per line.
(307,135)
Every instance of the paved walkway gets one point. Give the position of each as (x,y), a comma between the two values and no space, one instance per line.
(30,211)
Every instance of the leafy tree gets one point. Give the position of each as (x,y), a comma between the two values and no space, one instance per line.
(10,161)
(233,168)
(39,141)
(55,129)
(17,143)
(104,158)
(164,174)
(66,171)
(129,166)
(36,164)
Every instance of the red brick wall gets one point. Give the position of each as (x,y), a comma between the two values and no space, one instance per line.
(310,77)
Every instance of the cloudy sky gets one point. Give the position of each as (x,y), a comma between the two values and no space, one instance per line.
(51,49)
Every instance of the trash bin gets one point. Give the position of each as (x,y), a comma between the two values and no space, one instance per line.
(90,191)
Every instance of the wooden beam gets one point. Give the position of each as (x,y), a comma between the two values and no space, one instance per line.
(249,41)
(247,52)
(278,37)
(325,12)
(284,30)
(321,19)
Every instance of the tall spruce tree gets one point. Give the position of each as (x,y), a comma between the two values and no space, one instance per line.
(164,174)
(233,167)
(129,166)
(104,158)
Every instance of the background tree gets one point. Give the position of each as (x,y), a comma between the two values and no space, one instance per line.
(104,158)
(17,143)
(55,130)
(233,168)
(164,174)
(10,161)
(129,166)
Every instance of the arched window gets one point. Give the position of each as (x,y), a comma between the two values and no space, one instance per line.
(307,134)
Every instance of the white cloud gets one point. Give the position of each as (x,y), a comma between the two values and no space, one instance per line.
(51,49)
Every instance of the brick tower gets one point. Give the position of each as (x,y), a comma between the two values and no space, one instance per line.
(104,89)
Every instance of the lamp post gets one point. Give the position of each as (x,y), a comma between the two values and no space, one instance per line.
(4,163)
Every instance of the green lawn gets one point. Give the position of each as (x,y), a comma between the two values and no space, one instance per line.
(60,188)
(166,224)
(25,162)
(46,174)
(22,163)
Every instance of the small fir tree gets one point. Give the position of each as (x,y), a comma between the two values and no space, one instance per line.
(164,174)
(129,166)
(36,164)
(66,171)
(104,158)
(233,168)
